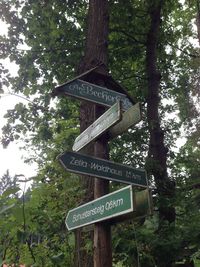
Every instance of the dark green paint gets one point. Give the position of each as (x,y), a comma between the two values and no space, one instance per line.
(94,93)
(109,206)
(82,164)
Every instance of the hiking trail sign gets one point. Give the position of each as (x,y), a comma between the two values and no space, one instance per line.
(97,128)
(94,93)
(129,118)
(92,166)
(123,204)
(108,206)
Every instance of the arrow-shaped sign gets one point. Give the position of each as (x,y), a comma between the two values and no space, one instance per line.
(83,164)
(94,93)
(103,123)
(117,206)
(109,206)
(129,118)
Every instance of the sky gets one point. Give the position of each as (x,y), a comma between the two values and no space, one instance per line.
(12,158)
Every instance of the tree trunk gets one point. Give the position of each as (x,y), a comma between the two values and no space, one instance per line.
(198,20)
(157,157)
(96,53)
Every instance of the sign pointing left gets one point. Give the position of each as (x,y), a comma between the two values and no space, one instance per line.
(105,169)
(109,206)
(94,93)
(117,206)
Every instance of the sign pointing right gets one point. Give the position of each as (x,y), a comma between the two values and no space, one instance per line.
(103,123)
(129,118)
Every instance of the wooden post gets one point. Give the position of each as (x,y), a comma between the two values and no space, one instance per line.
(102,231)
(96,52)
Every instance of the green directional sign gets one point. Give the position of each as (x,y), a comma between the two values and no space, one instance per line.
(83,164)
(142,201)
(103,123)
(129,118)
(94,93)
(142,206)
(109,206)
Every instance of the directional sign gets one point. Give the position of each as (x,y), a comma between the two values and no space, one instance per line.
(82,164)
(109,206)
(129,118)
(143,204)
(103,123)
(94,93)
(142,207)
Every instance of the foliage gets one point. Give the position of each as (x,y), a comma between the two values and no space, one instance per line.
(46,40)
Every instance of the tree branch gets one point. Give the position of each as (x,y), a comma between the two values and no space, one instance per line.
(183,51)
(24,98)
(128,35)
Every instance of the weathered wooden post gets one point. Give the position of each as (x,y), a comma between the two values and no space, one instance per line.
(96,52)
(98,91)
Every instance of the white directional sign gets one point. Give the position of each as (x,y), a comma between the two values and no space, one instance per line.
(103,123)
(129,118)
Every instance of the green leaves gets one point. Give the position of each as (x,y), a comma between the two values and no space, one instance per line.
(5,208)
(10,191)
(46,41)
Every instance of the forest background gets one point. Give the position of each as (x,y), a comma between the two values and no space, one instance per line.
(46,39)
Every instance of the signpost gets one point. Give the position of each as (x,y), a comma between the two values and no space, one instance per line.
(119,205)
(92,166)
(116,206)
(94,93)
(129,118)
(103,123)
(109,206)
(143,204)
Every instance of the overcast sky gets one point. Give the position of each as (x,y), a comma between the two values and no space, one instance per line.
(11,158)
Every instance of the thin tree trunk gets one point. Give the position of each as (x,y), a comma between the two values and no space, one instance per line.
(198,20)
(157,158)
(96,52)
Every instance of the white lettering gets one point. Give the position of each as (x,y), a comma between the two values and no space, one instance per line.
(72,160)
(131,175)
(78,162)
(86,89)
(88,213)
(107,169)
(113,204)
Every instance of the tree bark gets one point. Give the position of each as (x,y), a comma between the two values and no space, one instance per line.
(198,20)
(157,156)
(96,53)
